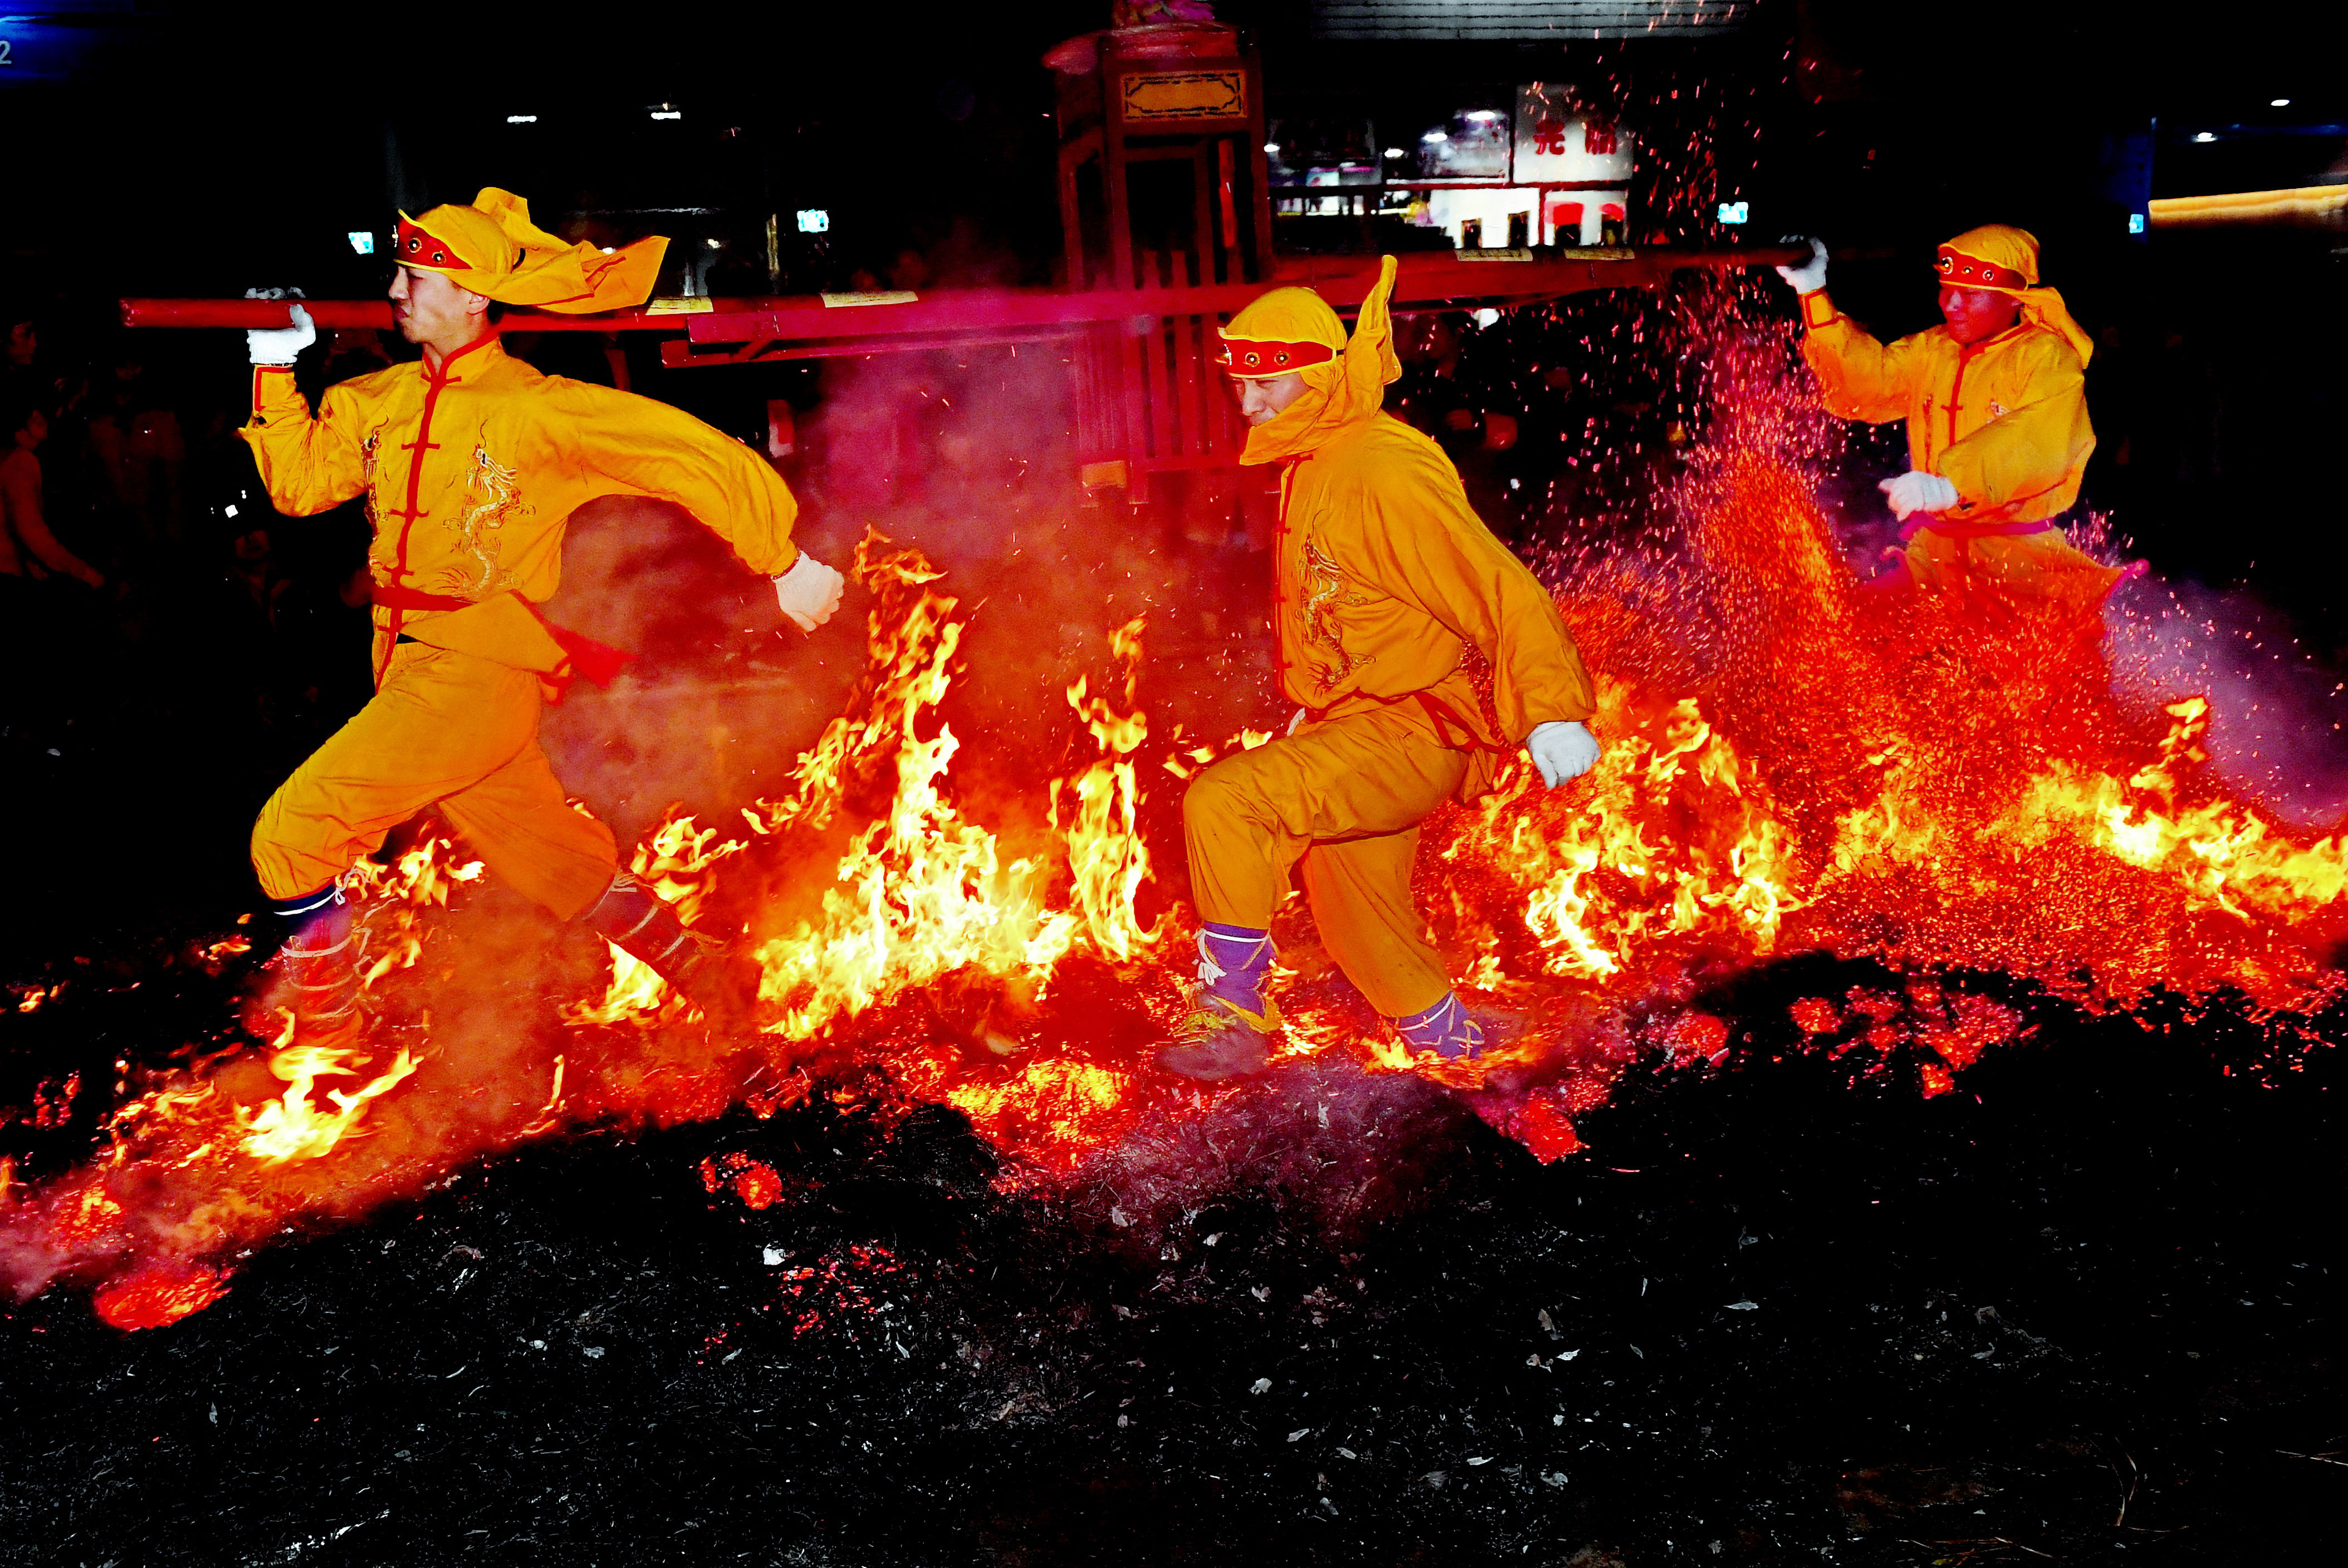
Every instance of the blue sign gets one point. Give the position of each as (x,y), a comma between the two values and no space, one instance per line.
(1735,211)
(48,47)
(814,221)
(34,49)
(363,242)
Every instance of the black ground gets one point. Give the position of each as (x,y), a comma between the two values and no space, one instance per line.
(2081,1310)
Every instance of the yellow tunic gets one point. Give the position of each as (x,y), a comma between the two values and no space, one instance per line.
(1387,576)
(2003,420)
(472,472)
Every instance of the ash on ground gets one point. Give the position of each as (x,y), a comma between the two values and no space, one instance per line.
(1781,1310)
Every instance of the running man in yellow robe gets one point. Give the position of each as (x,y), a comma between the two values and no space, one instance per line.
(1996,401)
(1386,579)
(471,463)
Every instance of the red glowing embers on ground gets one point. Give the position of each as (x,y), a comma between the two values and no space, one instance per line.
(159,1293)
(53,1101)
(841,1290)
(752,1181)
(1543,1127)
(1693,1037)
(1059,1112)
(85,1217)
(1816,1015)
(1949,1029)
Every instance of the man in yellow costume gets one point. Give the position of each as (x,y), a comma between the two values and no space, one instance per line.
(471,463)
(1995,400)
(1386,579)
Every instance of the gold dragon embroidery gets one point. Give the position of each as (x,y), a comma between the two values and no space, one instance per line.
(488,497)
(1325,594)
(366,472)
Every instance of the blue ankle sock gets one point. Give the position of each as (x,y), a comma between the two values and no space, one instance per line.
(1444,1028)
(317,921)
(1232,963)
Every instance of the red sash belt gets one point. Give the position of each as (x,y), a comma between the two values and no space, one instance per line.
(1923,521)
(1445,718)
(396,599)
(598,662)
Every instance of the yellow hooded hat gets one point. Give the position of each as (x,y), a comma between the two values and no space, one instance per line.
(1294,331)
(2004,259)
(493,249)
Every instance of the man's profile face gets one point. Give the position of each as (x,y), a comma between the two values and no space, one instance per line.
(1973,314)
(429,308)
(1264,399)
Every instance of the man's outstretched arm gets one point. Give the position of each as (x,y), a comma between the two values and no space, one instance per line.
(650,449)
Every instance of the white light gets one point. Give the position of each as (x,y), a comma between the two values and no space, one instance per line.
(1735,211)
(1487,317)
(1485,115)
(2205,135)
(229,510)
(814,221)
(667,111)
(1272,148)
(521,120)
(715,244)
(2278,103)
(1435,136)
(362,241)
(1394,152)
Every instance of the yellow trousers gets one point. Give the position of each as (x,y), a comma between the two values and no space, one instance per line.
(1345,796)
(444,729)
(2042,567)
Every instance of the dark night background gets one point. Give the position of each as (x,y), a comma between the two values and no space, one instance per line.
(2084,1312)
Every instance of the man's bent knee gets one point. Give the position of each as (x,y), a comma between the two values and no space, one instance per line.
(1209,799)
(1230,790)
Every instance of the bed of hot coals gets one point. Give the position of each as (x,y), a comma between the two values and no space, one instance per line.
(1783,1308)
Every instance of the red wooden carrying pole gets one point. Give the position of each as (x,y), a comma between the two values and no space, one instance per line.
(267,314)
(847,323)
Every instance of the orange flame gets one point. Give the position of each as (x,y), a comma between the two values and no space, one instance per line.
(291,1128)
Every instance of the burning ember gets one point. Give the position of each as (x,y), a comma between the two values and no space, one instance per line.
(1794,763)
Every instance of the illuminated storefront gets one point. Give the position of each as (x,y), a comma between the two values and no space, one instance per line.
(1545,170)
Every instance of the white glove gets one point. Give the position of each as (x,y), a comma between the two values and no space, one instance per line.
(280,345)
(1811,276)
(1562,751)
(808,592)
(1917,491)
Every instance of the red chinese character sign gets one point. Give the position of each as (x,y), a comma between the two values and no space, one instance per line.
(1560,142)
(1582,160)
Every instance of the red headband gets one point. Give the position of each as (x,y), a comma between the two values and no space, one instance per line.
(1246,357)
(1960,270)
(416,249)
